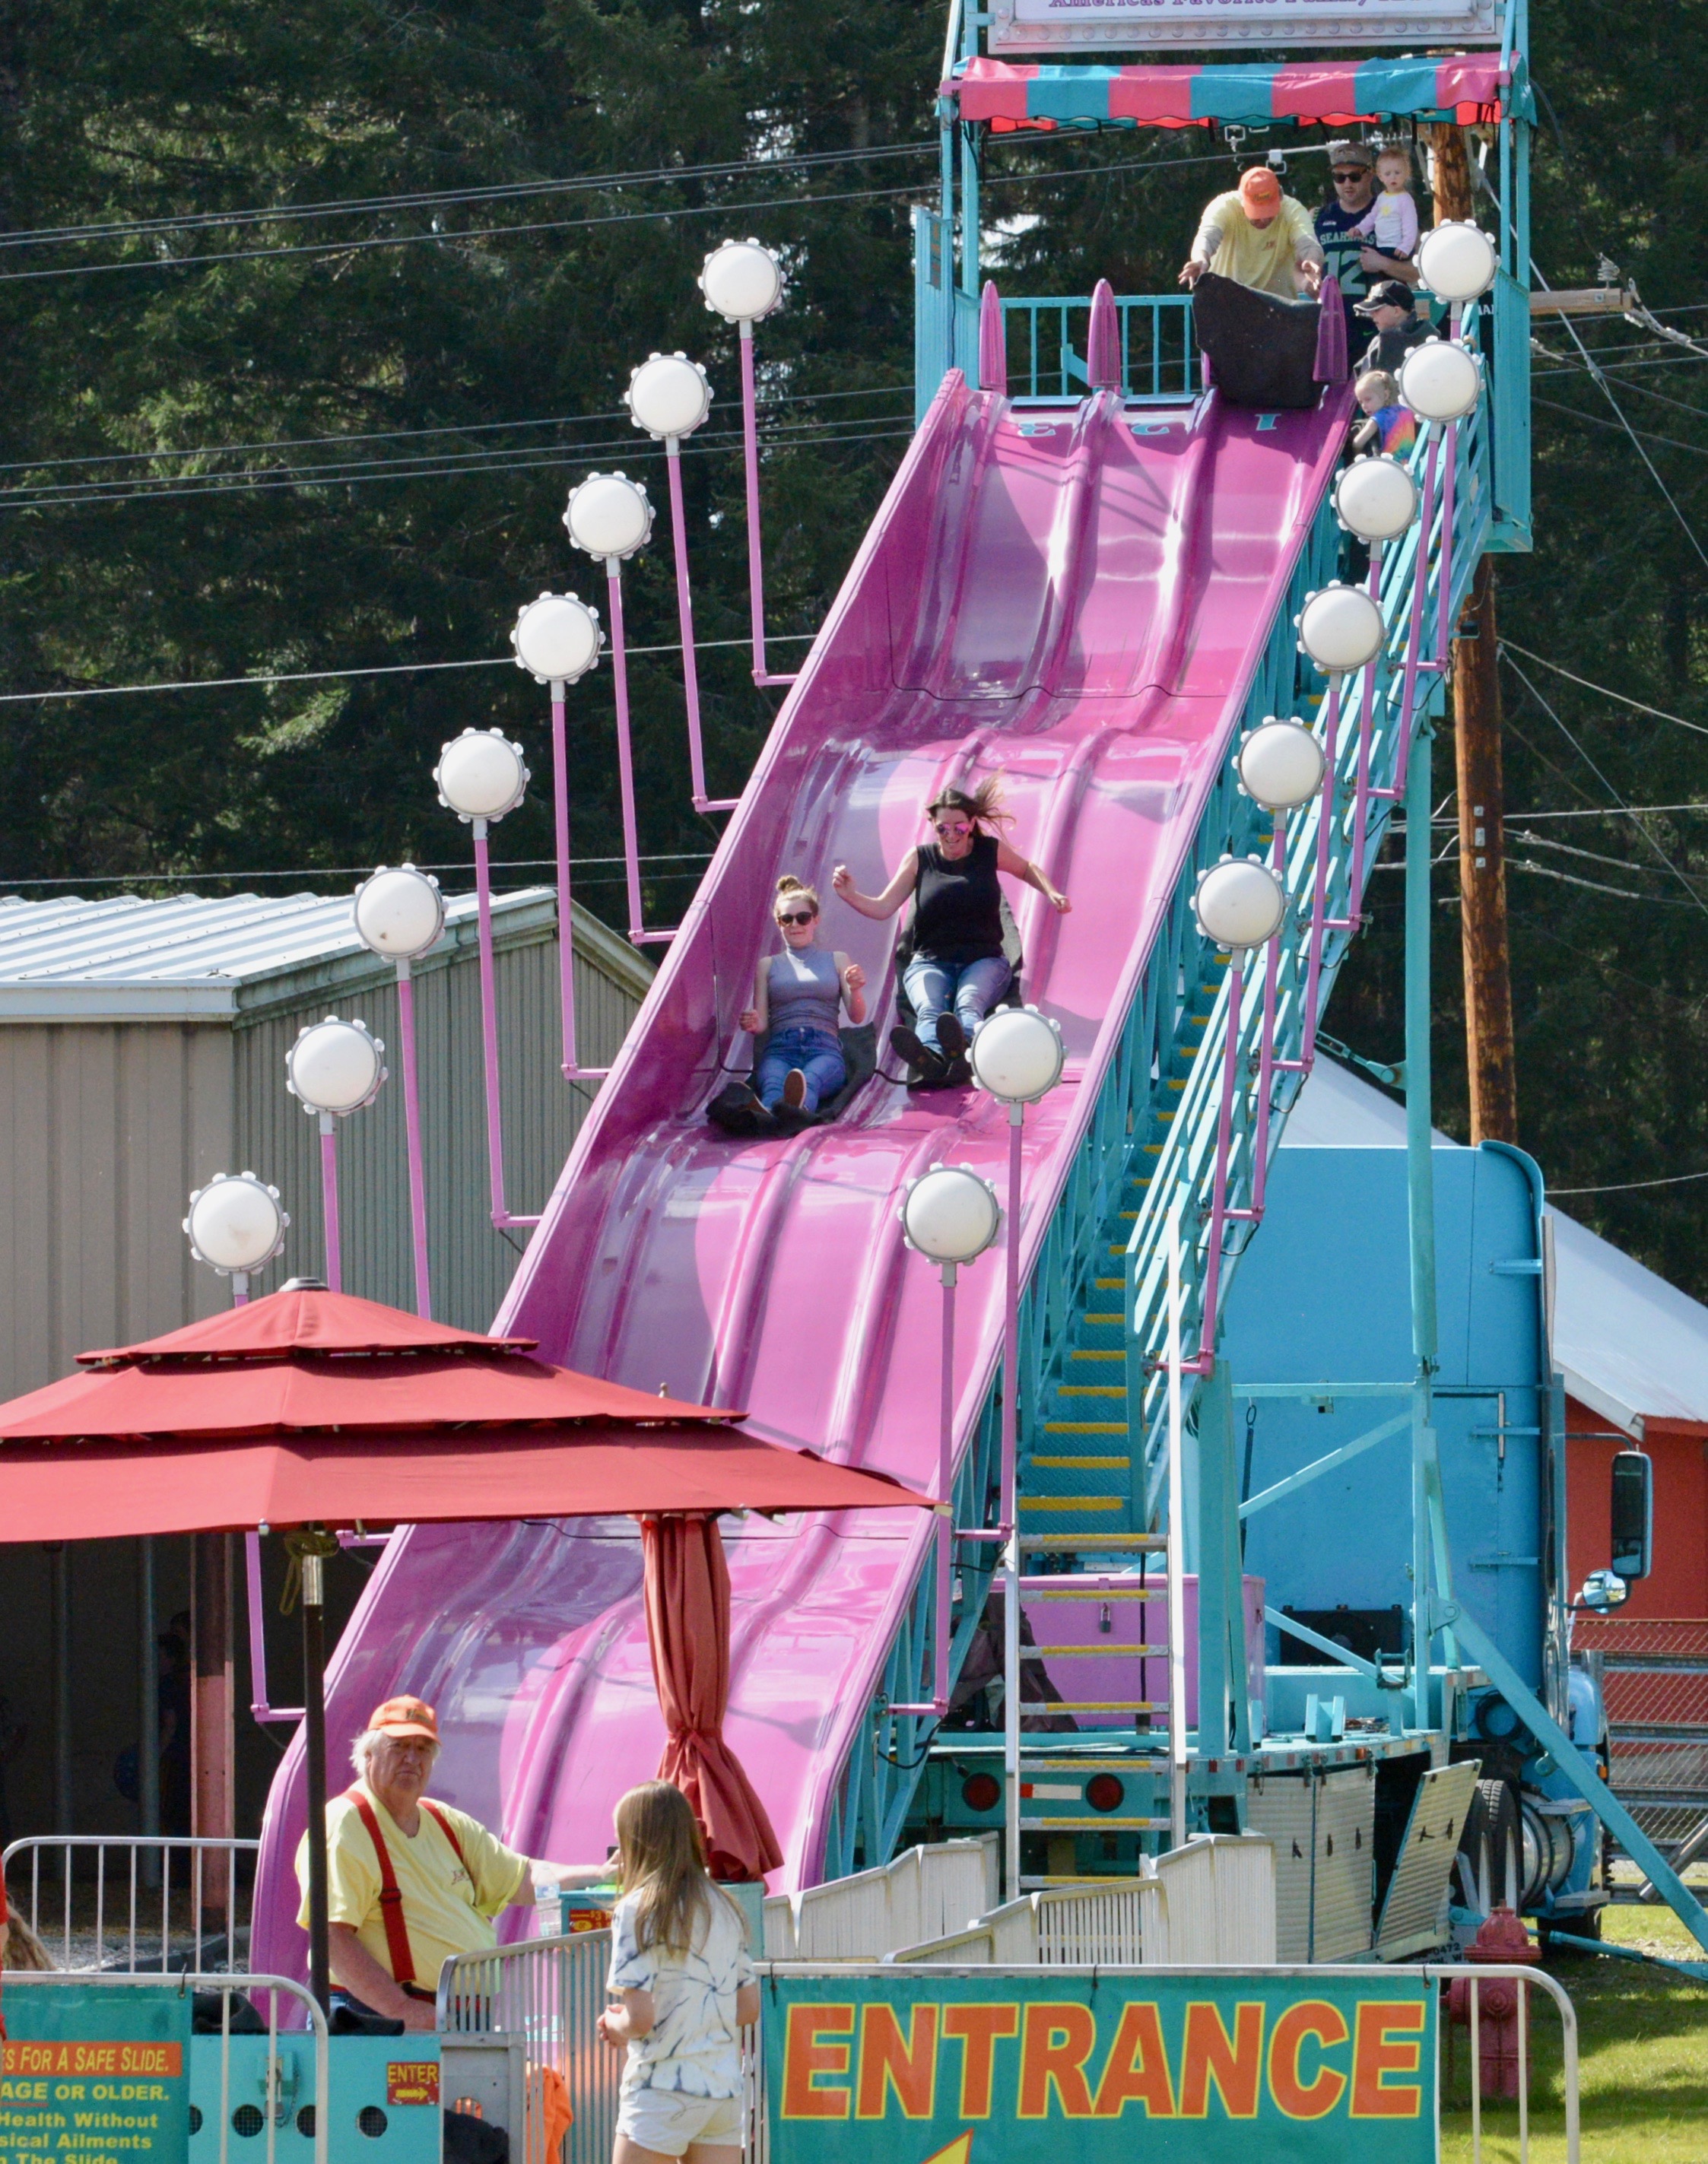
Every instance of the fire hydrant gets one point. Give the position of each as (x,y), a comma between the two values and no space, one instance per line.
(1503,1939)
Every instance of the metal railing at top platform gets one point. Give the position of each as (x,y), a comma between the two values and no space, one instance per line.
(135,1901)
(1135,1114)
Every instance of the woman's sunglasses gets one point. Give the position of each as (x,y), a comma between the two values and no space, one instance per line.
(800,917)
(952,826)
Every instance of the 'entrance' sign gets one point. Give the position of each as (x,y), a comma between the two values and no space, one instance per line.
(904,2069)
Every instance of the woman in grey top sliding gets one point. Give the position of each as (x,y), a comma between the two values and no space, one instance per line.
(957,971)
(797,997)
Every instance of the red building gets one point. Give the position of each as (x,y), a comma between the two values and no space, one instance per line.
(1634,1354)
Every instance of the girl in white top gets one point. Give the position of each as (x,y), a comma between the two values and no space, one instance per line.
(681,1987)
(1390,224)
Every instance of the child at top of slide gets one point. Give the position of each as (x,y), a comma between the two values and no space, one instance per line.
(1388,425)
(1391,224)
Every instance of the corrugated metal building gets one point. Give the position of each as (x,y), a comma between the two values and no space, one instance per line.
(142,1049)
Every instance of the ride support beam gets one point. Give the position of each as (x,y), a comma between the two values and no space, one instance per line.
(1477,728)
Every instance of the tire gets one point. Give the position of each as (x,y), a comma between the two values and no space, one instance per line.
(1501,1880)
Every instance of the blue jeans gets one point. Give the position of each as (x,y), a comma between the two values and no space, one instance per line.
(972,989)
(816,1054)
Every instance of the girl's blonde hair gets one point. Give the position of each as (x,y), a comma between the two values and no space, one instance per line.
(1384,382)
(1402,151)
(660,1857)
(983,806)
(788,886)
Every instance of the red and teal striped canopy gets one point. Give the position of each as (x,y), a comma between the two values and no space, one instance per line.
(1466,87)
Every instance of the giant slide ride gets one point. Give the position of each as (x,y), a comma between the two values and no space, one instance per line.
(1079,597)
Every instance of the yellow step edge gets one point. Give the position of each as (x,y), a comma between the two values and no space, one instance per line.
(1180,1084)
(1103,1321)
(1100,1353)
(1109,1284)
(1086,1427)
(1084,1464)
(1071,1502)
(1090,1390)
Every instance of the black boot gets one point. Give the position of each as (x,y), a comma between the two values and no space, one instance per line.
(930,1067)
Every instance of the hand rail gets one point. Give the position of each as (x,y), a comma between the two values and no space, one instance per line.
(1135,1113)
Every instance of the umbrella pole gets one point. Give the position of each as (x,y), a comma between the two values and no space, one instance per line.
(314,1717)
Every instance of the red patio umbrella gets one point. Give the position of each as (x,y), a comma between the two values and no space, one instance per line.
(311,1411)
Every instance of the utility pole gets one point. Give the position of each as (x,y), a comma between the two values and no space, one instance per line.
(1476,702)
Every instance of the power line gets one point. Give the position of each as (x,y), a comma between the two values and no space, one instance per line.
(1600,777)
(1598,886)
(325,676)
(1606,390)
(1595,421)
(334,474)
(426,199)
(1590,856)
(1629,1186)
(690,857)
(1602,691)
(403,435)
(1593,812)
(581,224)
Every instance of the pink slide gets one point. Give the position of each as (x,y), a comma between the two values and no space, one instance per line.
(1079,596)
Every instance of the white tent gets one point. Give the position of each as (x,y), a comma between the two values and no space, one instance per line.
(1630,1346)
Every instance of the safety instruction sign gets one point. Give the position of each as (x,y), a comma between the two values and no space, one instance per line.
(900,2069)
(93,2074)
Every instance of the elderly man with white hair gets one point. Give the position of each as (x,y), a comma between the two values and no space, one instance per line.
(411,1882)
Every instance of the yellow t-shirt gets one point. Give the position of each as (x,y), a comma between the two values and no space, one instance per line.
(1261,256)
(447,1912)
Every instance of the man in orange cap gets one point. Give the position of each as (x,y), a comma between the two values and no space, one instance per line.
(1257,236)
(411,1882)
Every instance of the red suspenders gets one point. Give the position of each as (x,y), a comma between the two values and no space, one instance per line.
(397,1952)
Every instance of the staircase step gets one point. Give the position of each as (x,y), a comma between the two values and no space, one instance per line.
(1073,1503)
(1084,1464)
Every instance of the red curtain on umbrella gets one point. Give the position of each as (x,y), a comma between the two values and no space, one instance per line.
(687,1621)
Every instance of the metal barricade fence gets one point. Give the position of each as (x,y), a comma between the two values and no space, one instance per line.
(151,1899)
(547,1994)
(1472,1981)
(279,2084)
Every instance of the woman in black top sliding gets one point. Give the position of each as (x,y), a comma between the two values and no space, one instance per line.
(957,971)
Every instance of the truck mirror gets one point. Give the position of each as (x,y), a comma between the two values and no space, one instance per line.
(1633,1513)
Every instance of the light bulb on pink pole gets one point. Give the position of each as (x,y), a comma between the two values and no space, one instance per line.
(951,1215)
(557,640)
(399,913)
(481,775)
(742,282)
(611,518)
(669,395)
(335,1068)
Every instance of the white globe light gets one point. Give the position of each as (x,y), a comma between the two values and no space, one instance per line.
(1457,260)
(1017,1055)
(1239,903)
(1441,380)
(608,515)
(1281,766)
(742,281)
(481,775)
(557,638)
(668,394)
(1376,498)
(335,1066)
(235,1223)
(1341,627)
(399,912)
(951,1214)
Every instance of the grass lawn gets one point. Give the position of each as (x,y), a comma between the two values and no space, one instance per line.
(1642,2037)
